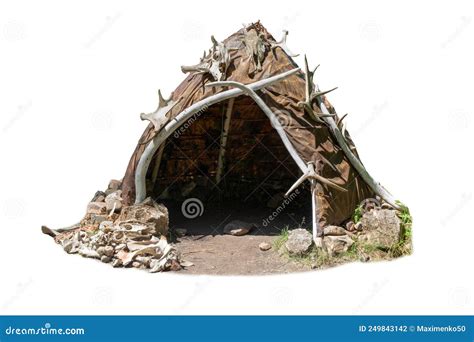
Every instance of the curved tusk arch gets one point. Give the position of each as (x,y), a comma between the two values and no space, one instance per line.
(306,169)
(268,112)
(198,107)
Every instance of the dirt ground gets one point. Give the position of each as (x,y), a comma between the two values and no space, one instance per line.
(213,252)
(234,255)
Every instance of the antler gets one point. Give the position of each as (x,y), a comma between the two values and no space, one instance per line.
(282,45)
(161,115)
(216,63)
(311,94)
(311,174)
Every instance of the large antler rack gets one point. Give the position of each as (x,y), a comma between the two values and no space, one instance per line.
(312,94)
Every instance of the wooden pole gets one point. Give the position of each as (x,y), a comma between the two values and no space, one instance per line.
(156,169)
(223,143)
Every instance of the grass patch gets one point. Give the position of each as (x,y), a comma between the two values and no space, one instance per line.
(403,247)
(281,239)
(358,212)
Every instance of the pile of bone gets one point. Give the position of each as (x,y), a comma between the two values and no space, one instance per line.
(130,236)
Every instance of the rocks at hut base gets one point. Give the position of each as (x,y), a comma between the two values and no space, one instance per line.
(334,231)
(238,228)
(117,263)
(264,246)
(180,232)
(386,206)
(380,228)
(358,226)
(97,208)
(114,185)
(338,244)
(299,241)
(105,259)
(99,196)
(148,212)
(114,201)
(133,238)
(88,252)
(350,226)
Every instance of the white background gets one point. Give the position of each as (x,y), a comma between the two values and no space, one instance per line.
(74,78)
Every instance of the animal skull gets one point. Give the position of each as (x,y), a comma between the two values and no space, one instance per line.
(215,62)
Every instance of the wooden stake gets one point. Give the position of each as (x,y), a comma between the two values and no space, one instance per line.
(224,134)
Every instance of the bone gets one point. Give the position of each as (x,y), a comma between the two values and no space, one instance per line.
(162,114)
(282,45)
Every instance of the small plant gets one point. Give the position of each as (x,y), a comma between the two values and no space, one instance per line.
(281,239)
(358,212)
(403,247)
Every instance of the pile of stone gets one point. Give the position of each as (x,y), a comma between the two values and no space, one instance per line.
(131,236)
(379,227)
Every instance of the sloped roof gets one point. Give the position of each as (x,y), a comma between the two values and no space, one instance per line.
(311,139)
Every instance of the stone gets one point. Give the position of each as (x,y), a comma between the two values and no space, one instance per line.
(334,231)
(98,208)
(114,201)
(106,226)
(99,196)
(97,219)
(120,247)
(358,226)
(185,263)
(180,232)
(149,213)
(70,246)
(117,263)
(238,228)
(109,251)
(299,241)
(114,185)
(101,250)
(386,206)
(381,228)
(105,258)
(276,200)
(336,245)
(88,252)
(350,226)
(264,246)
